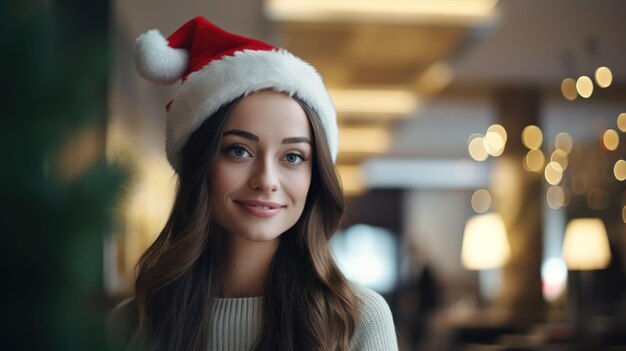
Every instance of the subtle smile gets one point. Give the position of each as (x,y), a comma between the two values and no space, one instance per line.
(260,208)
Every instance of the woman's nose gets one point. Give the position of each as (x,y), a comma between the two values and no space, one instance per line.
(264,176)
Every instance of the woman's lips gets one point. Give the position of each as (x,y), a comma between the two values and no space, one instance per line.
(261,209)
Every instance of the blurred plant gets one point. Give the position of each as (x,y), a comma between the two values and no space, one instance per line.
(57,190)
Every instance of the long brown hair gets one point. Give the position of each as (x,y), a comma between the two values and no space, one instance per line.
(308,303)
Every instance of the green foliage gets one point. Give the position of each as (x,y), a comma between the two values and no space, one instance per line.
(54,83)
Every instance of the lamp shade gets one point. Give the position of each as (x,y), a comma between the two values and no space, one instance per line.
(586,246)
(485,244)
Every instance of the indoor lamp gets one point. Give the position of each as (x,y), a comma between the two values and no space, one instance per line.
(586,246)
(485,243)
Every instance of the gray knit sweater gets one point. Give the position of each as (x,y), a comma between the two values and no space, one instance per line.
(237,323)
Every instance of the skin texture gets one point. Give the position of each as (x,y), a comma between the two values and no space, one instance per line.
(259,184)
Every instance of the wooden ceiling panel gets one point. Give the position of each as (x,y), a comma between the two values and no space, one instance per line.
(400,75)
(369,54)
(391,45)
(315,41)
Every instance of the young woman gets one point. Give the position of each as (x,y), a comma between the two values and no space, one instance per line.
(244,261)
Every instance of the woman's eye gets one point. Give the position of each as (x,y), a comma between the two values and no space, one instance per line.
(294,158)
(238,151)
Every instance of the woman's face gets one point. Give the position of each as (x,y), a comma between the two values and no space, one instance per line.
(261,174)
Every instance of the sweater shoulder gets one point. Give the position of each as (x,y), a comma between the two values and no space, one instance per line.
(375,329)
(373,305)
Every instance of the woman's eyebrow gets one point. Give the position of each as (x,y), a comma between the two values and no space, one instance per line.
(250,136)
(242,133)
(295,140)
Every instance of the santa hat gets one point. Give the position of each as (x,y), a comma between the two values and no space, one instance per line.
(217,67)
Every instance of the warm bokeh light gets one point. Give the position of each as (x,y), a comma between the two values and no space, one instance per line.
(621,121)
(495,140)
(559,156)
(553,173)
(485,242)
(604,77)
(364,139)
(476,148)
(624,214)
(377,102)
(584,86)
(493,144)
(532,137)
(580,184)
(534,161)
(497,128)
(620,170)
(481,200)
(563,141)
(555,197)
(351,179)
(585,246)
(610,140)
(568,89)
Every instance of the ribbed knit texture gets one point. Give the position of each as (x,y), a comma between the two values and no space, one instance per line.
(374,330)
(237,323)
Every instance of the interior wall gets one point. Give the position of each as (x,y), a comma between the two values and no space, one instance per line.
(434,220)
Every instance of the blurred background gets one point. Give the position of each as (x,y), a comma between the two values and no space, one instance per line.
(482,151)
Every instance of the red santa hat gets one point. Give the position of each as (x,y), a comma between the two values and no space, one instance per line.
(217,67)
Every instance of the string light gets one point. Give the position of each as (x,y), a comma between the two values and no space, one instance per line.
(560,157)
(610,140)
(532,137)
(495,140)
(498,129)
(621,121)
(620,170)
(604,77)
(492,143)
(568,89)
(555,197)
(476,148)
(563,141)
(481,200)
(534,160)
(553,173)
(584,86)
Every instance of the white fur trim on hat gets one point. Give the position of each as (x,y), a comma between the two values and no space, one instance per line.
(156,61)
(247,71)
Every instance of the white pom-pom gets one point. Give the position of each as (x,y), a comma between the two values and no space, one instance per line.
(156,61)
